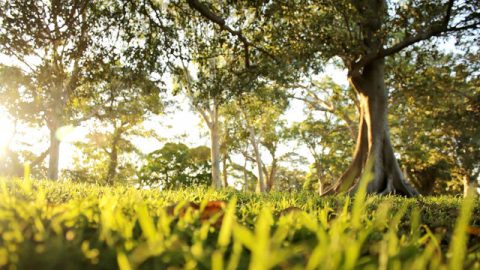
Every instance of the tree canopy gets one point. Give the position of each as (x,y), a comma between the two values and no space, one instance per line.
(407,108)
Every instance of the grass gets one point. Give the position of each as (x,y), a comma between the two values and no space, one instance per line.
(63,225)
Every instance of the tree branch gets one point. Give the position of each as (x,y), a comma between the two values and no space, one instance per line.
(207,13)
(436,30)
(40,158)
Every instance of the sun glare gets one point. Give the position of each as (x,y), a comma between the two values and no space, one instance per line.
(70,134)
(6,132)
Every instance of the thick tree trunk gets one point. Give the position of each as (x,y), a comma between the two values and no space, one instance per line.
(373,154)
(54,155)
(215,150)
(469,185)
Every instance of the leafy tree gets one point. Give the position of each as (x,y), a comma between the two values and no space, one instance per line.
(175,165)
(209,81)
(328,142)
(106,158)
(209,76)
(261,128)
(328,131)
(325,96)
(304,34)
(60,37)
(120,99)
(288,180)
(439,122)
(18,107)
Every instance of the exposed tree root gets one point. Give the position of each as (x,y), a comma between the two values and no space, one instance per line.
(373,147)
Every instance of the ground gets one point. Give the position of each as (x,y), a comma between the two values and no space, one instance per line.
(63,225)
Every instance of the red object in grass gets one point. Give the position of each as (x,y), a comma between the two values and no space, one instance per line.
(211,209)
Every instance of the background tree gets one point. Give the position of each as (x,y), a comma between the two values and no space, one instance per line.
(328,142)
(436,112)
(210,75)
(175,165)
(262,128)
(57,36)
(20,108)
(328,130)
(122,100)
(205,97)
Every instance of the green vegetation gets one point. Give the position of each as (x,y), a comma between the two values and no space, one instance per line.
(312,115)
(286,92)
(64,225)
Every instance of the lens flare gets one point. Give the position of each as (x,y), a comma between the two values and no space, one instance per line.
(69,133)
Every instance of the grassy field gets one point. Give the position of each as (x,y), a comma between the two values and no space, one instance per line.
(62,225)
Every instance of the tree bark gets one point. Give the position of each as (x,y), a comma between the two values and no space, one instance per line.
(245,175)
(260,188)
(225,171)
(319,173)
(373,152)
(113,157)
(469,185)
(271,175)
(54,155)
(215,149)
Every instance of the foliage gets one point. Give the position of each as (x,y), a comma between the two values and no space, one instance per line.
(175,165)
(435,118)
(77,226)
(93,165)
(118,100)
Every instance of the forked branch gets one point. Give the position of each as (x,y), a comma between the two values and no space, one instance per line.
(436,29)
(210,15)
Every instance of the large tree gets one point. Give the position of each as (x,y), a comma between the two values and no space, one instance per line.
(304,34)
(209,75)
(204,93)
(50,41)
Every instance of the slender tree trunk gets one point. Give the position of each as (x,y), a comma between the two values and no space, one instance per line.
(319,174)
(215,149)
(245,175)
(225,172)
(373,154)
(260,188)
(54,155)
(469,185)
(271,175)
(113,158)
